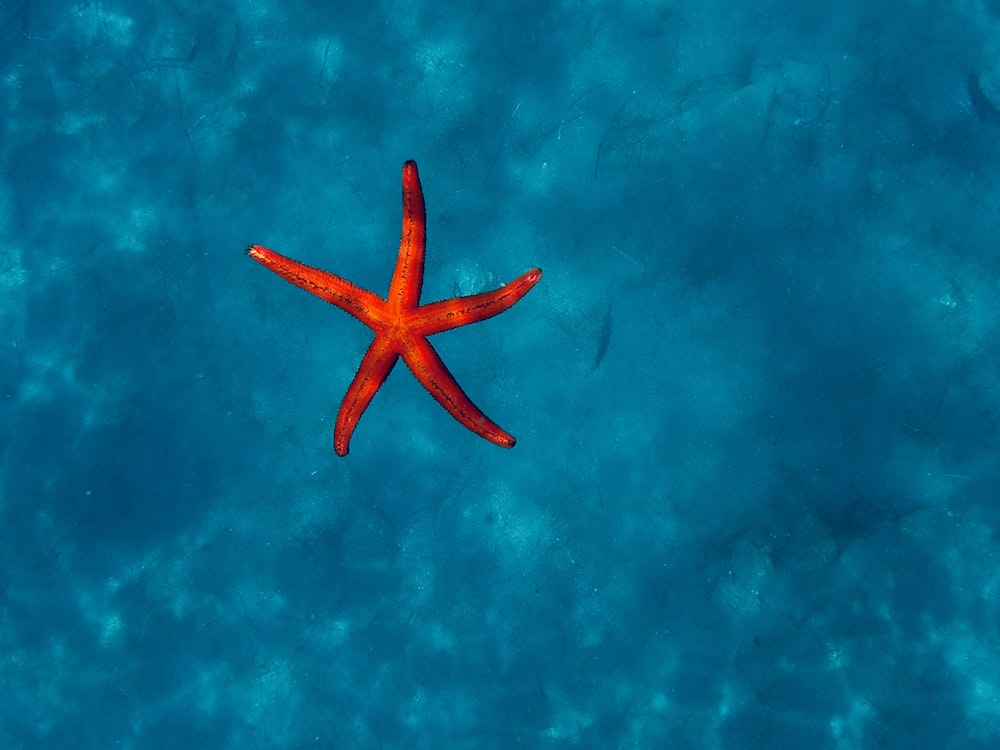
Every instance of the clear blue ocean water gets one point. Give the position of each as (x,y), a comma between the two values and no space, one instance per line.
(755,497)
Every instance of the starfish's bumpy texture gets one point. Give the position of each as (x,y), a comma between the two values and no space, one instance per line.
(401,324)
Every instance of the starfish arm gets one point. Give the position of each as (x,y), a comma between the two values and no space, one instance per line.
(374,369)
(430,370)
(408,277)
(349,297)
(461,311)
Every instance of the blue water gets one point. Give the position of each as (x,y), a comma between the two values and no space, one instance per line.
(756,492)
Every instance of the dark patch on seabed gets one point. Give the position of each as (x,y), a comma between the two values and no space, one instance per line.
(981,104)
(604,341)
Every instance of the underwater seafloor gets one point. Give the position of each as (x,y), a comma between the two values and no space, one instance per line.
(755,497)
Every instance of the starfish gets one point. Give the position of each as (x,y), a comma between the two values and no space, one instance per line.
(401,324)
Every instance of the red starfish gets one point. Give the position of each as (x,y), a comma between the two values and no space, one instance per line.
(402,324)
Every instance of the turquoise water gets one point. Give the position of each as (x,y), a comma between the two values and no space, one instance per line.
(754,499)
